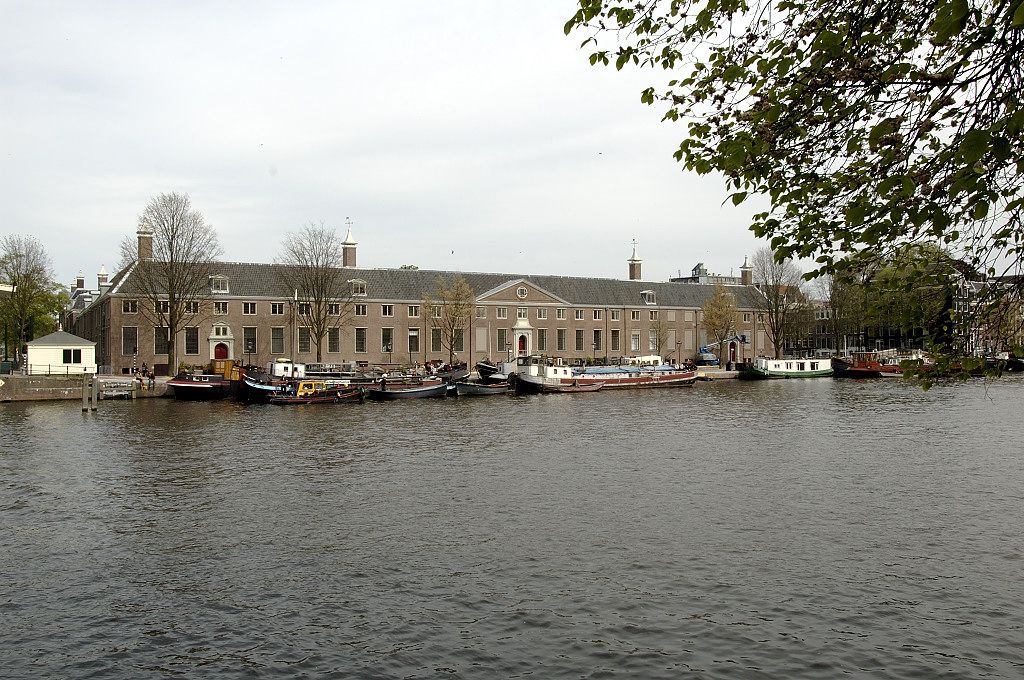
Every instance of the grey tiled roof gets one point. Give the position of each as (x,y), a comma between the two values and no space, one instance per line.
(248,279)
(60,339)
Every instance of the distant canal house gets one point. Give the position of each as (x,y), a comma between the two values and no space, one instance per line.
(250,316)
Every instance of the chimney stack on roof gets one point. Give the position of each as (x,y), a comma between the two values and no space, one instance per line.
(348,247)
(634,265)
(101,277)
(80,281)
(746,273)
(145,235)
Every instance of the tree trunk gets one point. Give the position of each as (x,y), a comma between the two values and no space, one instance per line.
(172,368)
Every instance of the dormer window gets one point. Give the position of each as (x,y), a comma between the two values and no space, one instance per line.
(648,297)
(219,284)
(358,287)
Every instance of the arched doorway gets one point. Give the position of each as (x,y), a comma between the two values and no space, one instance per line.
(732,351)
(522,344)
(220,351)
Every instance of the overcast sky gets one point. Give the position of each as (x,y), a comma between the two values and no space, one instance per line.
(461,135)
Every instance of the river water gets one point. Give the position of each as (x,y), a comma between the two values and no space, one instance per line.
(785,529)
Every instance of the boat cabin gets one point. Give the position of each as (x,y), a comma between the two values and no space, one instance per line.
(286,368)
(795,368)
(542,366)
(306,388)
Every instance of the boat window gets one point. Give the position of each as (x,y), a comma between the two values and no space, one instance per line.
(814,365)
(800,366)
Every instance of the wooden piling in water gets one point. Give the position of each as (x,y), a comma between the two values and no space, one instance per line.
(90,393)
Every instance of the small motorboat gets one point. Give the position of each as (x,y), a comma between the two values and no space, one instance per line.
(317,392)
(572,387)
(199,386)
(258,391)
(486,368)
(422,392)
(475,389)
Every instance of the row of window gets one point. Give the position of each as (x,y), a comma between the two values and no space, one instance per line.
(412,311)
(357,287)
(579,314)
(221,307)
(130,340)
(219,284)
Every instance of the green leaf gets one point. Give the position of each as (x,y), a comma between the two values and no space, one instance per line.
(974,145)
(908,186)
(881,130)
(980,211)
(888,184)
(1001,148)
(1018,16)
(855,214)
(950,20)
(826,40)
(739,197)
(732,73)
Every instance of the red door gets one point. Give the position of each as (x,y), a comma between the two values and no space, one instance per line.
(220,351)
(522,344)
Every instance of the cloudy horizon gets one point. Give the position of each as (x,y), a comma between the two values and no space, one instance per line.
(474,138)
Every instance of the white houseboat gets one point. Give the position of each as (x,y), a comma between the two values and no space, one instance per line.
(533,374)
(764,368)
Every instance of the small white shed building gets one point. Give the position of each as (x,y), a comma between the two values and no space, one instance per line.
(60,353)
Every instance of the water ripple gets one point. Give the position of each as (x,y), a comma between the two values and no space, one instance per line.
(788,529)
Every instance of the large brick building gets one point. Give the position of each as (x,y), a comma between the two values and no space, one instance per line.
(250,315)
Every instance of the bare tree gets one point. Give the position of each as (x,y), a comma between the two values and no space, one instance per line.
(800,327)
(719,317)
(779,283)
(661,330)
(172,262)
(312,261)
(450,308)
(843,300)
(24,265)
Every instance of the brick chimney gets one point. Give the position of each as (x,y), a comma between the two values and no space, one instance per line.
(101,277)
(145,235)
(348,248)
(634,265)
(746,273)
(80,281)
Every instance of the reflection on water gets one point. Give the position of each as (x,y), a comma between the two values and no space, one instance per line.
(778,529)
